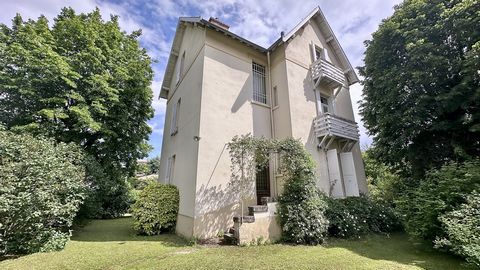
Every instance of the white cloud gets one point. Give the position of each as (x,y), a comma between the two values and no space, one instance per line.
(156,127)
(262,22)
(259,21)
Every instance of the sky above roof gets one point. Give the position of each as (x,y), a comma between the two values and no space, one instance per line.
(261,22)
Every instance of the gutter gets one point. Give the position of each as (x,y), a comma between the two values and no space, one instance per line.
(272,122)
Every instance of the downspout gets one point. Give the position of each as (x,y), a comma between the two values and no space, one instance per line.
(272,124)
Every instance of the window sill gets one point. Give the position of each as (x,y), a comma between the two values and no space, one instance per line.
(259,104)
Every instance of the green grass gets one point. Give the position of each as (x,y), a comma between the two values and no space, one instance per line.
(112,244)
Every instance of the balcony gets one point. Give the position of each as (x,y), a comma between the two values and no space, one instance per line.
(329,127)
(326,73)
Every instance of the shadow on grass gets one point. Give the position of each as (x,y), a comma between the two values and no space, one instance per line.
(397,247)
(121,230)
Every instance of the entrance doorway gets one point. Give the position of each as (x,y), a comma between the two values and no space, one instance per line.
(262,180)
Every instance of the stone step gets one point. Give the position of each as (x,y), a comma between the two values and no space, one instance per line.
(266,200)
(257,209)
(229,238)
(244,219)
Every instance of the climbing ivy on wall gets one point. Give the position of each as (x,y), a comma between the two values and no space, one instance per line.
(302,209)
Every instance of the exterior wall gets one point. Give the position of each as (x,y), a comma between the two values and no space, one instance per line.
(264,229)
(281,113)
(303,102)
(182,144)
(227,111)
(216,105)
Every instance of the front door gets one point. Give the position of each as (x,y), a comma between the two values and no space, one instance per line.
(263,184)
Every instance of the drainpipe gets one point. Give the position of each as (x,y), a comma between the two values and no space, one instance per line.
(272,124)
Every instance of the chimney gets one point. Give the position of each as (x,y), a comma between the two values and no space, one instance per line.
(218,23)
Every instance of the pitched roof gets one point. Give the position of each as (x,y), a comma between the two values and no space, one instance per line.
(316,14)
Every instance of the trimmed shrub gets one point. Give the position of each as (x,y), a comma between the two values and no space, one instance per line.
(156,209)
(301,206)
(462,227)
(355,216)
(41,189)
(443,190)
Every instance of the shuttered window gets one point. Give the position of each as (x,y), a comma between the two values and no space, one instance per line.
(174,123)
(170,170)
(259,85)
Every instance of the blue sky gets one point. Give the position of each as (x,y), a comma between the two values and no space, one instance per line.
(352,21)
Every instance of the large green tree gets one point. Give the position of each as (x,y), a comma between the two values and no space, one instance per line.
(82,80)
(422,84)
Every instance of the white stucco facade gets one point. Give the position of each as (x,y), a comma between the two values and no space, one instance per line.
(215,89)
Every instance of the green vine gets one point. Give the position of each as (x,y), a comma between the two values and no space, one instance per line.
(301,207)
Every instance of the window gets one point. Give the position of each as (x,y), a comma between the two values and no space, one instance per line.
(318,53)
(275,97)
(259,86)
(179,68)
(324,104)
(174,123)
(170,170)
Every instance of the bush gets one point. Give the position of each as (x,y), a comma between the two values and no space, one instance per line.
(355,216)
(42,187)
(156,209)
(462,227)
(301,206)
(443,190)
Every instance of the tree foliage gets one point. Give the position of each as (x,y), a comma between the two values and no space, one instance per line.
(83,80)
(41,189)
(421,98)
(441,191)
(384,183)
(154,165)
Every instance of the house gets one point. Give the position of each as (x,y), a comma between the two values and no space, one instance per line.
(218,85)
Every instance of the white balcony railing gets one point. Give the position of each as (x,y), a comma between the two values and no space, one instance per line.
(324,71)
(335,126)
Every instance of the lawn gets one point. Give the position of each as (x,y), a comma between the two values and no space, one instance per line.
(112,244)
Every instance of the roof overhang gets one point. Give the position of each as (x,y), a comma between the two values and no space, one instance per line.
(316,15)
(177,40)
(331,39)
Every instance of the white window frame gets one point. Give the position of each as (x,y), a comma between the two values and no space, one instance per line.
(259,83)
(324,105)
(175,116)
(321,106)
